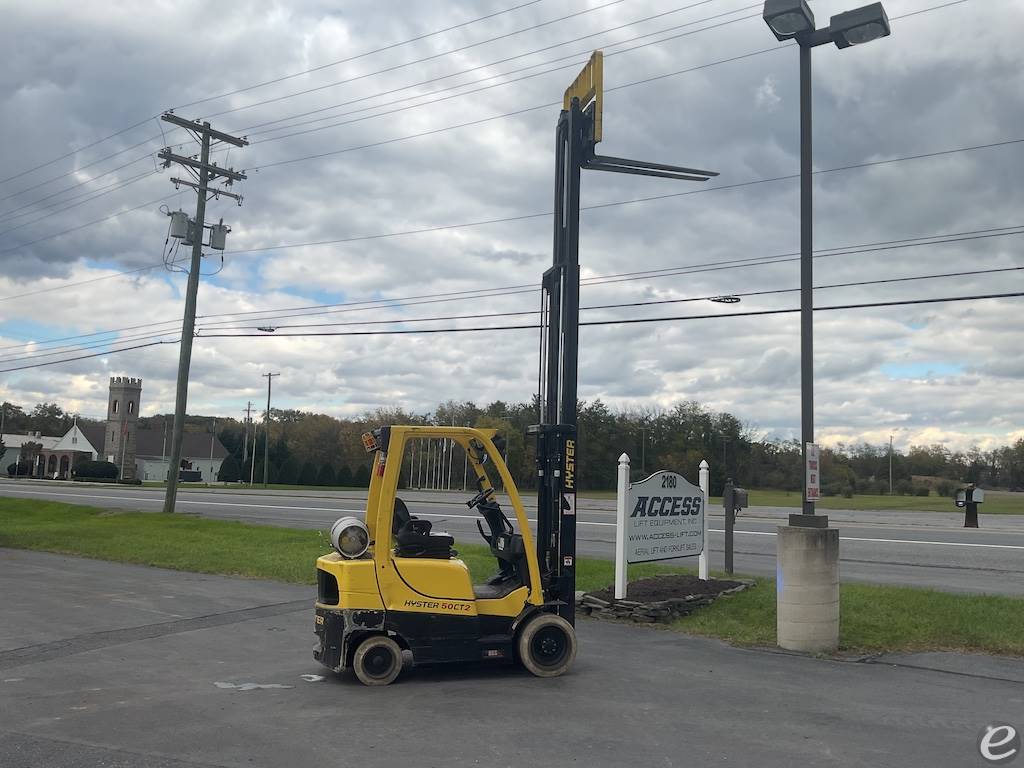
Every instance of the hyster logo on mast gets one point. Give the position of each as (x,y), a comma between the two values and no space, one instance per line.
(570,465)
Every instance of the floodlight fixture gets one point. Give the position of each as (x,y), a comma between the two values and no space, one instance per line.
(859,26)
(788,18)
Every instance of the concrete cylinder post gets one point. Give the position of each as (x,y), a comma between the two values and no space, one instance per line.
(620,527)
(807,587)
(705,483)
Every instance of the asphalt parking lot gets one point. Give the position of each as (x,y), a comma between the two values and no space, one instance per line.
(105,664)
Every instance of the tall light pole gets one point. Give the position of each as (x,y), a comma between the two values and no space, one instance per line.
(793,20)
(807,593)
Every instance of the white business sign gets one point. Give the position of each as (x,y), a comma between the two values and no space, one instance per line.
(813,473)
(664,518)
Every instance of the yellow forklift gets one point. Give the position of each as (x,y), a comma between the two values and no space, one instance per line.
(393,584)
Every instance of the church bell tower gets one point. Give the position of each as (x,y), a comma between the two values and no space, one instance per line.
(122,424)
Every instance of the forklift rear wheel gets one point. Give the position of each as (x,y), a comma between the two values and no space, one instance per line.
(547,645)
(377,661)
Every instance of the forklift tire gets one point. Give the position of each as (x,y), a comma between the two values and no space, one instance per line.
(547,645)
(377,660)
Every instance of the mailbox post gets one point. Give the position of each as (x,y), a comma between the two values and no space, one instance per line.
(733,499)
(969,498)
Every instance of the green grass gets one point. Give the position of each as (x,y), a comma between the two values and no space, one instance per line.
(875,618)
(878,618)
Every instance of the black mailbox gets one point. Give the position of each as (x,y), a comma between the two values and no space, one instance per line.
(969,498)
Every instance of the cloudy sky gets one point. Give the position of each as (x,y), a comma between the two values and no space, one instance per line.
(426,117)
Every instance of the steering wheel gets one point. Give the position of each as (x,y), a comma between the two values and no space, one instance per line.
(479,499)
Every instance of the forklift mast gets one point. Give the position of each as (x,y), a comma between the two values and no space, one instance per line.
(577,134)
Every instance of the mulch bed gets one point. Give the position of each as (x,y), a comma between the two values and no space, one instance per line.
(658,599)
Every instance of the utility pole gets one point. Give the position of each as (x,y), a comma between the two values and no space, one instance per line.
(252,466)
(245,442)
(266,431)
(204,172)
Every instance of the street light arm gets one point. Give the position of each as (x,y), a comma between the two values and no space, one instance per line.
(815,38)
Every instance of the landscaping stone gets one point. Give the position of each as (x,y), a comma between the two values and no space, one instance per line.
(660,599)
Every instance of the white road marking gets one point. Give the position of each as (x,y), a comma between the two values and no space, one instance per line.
(966,544)
(892,541)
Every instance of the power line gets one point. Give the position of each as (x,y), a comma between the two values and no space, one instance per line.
(88,357)
(151,139)
(77,170)
(75,151)
(12,357)
(742,263)
(421,60)
(507,219)
(357,56)
(508,290)
(88,197)
(545,106)
(597,206)
(432,80)
(627,321)
(510,114)
(624,305)
(631,321)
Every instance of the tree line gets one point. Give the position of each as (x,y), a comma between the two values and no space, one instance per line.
(316,449)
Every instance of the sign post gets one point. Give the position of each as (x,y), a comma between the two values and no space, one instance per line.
(658,518)
(813,473)
(705,482)
(621,499)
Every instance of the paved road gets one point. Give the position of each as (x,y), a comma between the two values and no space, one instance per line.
(122,666)
(921,549)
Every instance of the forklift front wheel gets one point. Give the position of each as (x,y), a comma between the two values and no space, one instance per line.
(547,645)
(377,661)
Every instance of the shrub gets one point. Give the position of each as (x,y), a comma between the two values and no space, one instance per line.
(344,476)
(848,492)
(96,470)
(229,471)
(289,472)
(946,488)
(922,490)
(831,489)
(19,469)
(903,488)
(308,474)
(362,477)
(326,476)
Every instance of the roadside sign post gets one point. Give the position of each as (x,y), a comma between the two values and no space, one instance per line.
(704,481)
(658,518)
(730,522)
(620,527)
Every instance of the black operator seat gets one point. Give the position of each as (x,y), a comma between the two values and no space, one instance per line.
(414,538)
(507,547)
